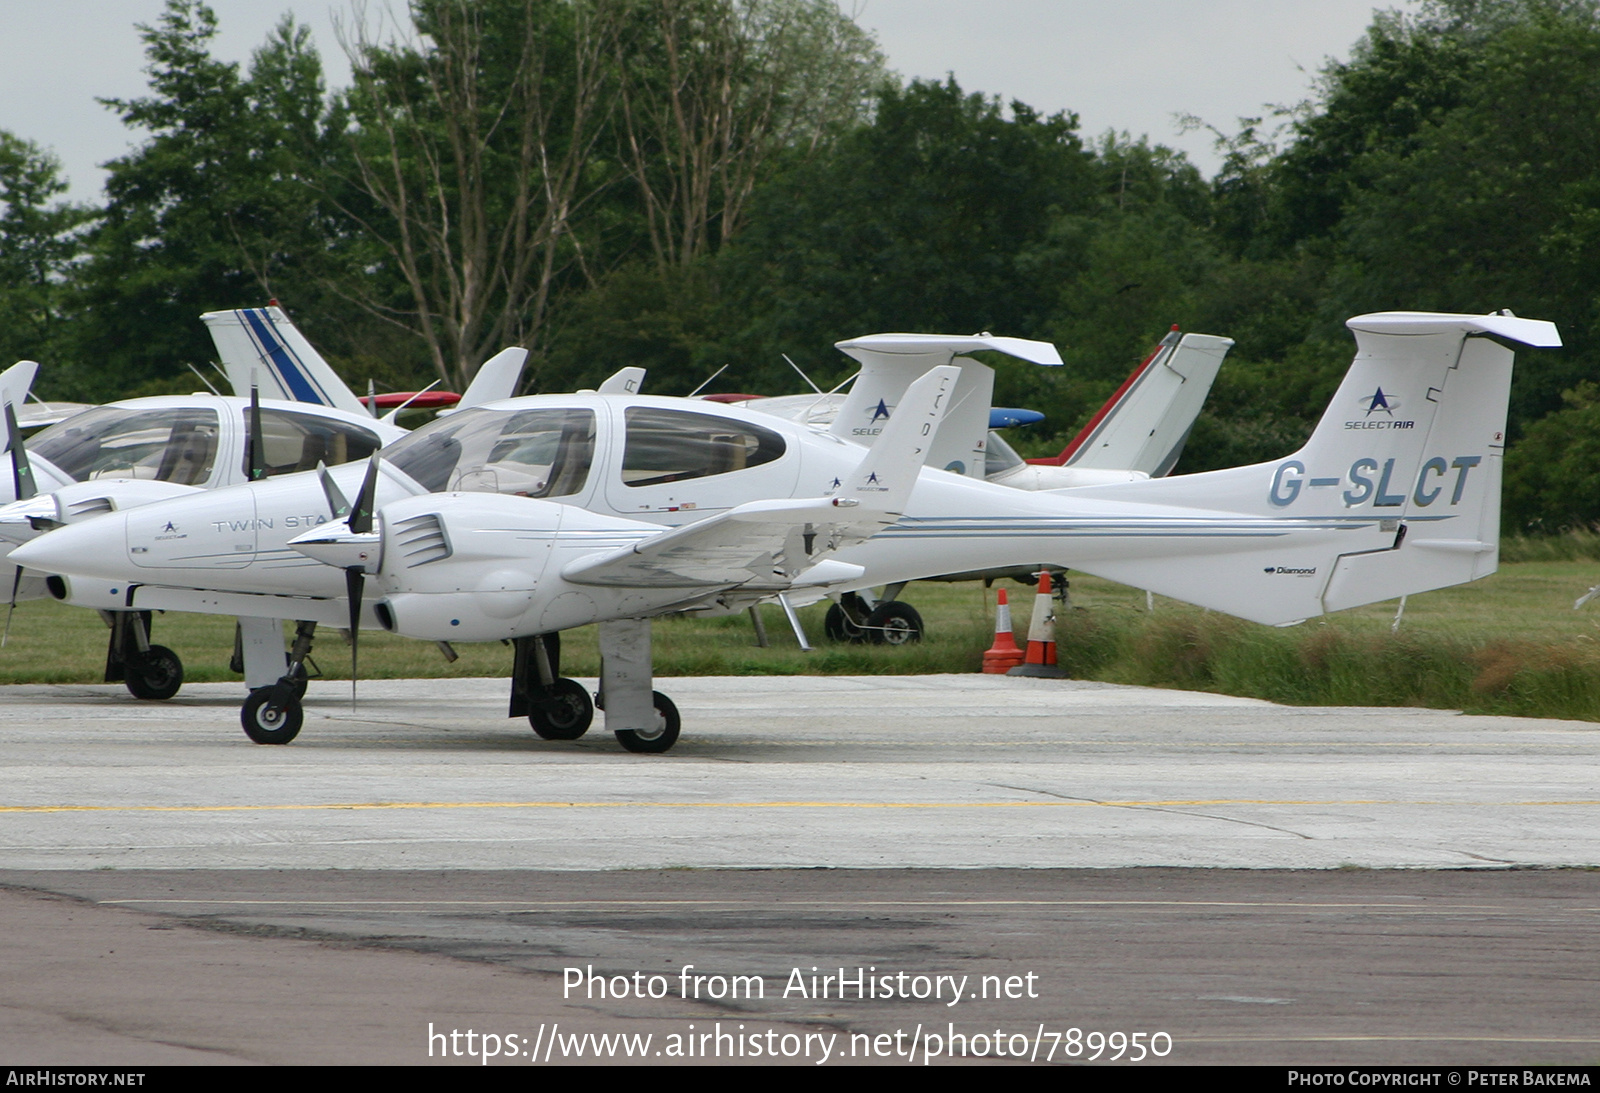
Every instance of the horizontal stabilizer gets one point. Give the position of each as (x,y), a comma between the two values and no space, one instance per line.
(889,364)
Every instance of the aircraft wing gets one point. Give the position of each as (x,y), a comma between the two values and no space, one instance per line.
(767,546)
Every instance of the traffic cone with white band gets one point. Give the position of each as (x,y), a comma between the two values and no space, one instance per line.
(1003,655)
(1040,659)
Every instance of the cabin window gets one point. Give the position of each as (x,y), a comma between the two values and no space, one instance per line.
(676,445)
(298,442)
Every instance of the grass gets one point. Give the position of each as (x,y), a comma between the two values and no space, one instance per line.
(1510,644)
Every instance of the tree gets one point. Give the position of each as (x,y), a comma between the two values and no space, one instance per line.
(916,222)
(215,209)
(475,151)
(713,89)
(1495,203)
(40,239)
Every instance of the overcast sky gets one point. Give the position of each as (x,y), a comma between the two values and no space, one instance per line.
(1119,64)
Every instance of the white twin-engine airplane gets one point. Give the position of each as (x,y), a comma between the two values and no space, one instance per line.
(1397,491)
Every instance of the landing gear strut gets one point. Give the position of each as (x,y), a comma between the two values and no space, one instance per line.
(273,714)
(644,720)
(148,671)
(557,708)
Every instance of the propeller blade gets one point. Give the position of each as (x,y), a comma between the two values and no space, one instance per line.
(21,469)
(337,504)
(16,582)
(361,511)
(355,580)
(257,469)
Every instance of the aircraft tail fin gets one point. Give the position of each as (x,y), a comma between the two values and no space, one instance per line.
(262,343)
(891,362)
(497,378)
(1396,492)
(624,381)
(16,381)
(882,482)
(1146,422)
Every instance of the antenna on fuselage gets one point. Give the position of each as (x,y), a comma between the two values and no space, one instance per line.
(202,377)
(707,383)
(803,376)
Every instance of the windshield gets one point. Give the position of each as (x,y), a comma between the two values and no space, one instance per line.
(531,453)
(173,445)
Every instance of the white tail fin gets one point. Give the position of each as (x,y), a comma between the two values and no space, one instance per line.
(15,382)
(1145,424)
(260,346)
(497,378)
(1396,492)
(624,381)
(889,364)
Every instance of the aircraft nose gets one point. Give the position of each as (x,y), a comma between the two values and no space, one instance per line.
(94,548)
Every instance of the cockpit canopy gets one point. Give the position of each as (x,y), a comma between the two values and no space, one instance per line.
(181,444)
(549,451)
(534,453)
(175,444)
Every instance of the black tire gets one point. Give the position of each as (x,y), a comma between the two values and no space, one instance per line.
(838,627)
(666,734)
(269,722)
(894,623)
(155,675)
(565,714)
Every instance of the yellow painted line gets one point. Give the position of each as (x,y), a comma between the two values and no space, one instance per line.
(360,806)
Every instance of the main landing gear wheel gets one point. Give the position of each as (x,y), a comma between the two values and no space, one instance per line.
(894,623)
(662,737)
(838,627)
(270,717)
(154,674)
(564,713)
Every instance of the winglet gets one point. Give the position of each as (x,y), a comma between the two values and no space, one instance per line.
(884,479)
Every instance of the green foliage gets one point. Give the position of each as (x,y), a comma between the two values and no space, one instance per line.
(1552,479)
(916,222)
(40,238)
(212,211)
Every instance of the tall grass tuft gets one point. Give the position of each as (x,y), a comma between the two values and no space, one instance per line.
(1582,545)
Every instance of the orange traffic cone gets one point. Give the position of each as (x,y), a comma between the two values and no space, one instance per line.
(1003,655)
(1041,656)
